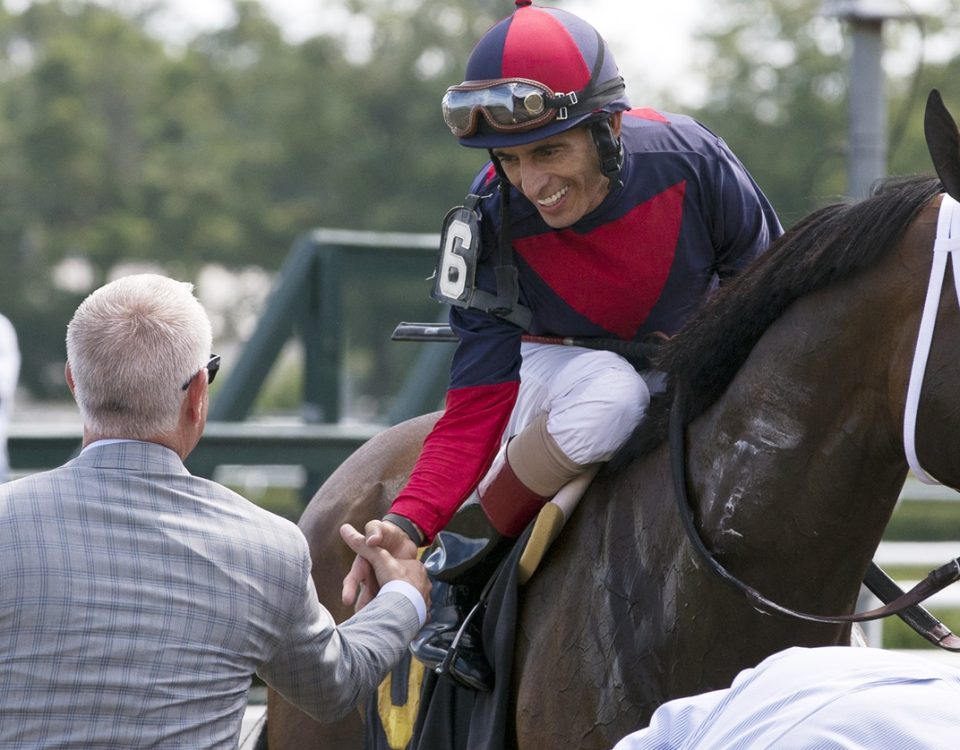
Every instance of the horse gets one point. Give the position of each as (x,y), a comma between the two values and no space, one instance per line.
(796,373)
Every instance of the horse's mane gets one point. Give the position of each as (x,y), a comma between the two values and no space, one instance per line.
(829,245)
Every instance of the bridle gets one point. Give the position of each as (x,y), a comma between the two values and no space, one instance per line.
(907,605)
(946,244)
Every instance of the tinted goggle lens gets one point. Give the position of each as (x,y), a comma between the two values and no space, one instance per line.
(505,105)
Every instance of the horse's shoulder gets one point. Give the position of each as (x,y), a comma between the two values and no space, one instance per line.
(361,487)
(387,447)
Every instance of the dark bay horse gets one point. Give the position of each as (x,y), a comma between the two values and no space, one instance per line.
(798,372)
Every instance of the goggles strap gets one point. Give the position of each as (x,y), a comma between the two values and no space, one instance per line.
(598,93)
(562,103)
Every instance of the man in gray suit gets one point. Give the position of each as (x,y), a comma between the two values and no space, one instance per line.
(137,599)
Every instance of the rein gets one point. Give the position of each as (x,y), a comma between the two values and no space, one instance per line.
(906,605)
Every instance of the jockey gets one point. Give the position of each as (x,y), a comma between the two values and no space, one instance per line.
(592,219)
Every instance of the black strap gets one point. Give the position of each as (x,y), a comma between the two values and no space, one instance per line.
(508,287)
(641,353)
(409,528)
(917,617)
(505,303)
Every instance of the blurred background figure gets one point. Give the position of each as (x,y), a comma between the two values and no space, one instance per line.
(9,374)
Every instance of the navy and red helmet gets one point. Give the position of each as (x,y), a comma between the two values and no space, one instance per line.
(538,72)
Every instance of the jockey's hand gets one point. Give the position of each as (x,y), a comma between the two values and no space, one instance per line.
(360,585)
(392,538)
(375,565)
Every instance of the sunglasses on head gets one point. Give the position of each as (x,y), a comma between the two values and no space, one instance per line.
(212,366)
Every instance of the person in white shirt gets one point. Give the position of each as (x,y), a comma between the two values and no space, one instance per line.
(829,698)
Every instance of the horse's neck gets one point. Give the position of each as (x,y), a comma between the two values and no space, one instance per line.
(803,447)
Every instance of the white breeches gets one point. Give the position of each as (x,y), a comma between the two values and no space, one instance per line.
(593,399)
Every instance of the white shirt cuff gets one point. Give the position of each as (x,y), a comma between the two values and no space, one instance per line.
(409,591)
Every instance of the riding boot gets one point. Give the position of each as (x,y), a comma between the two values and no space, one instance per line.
(463,557)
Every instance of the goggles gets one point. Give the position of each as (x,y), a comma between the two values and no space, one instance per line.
(507,104)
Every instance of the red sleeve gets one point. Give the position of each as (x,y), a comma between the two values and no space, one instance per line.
(456,454)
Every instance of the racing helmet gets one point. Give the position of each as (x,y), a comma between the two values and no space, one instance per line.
(538,72)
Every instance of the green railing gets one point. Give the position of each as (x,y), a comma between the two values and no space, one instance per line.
(329,280)
(318,448)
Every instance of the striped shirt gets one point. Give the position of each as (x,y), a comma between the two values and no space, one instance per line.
(830,698)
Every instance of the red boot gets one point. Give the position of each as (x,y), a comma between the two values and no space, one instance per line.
(464,556)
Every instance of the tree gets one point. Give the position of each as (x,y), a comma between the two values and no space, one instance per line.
(120,149)
(778,82)
(72,92)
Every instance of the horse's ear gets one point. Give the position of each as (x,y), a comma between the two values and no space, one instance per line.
(943,141)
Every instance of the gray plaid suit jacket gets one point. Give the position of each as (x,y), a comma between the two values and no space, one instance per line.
(137,601)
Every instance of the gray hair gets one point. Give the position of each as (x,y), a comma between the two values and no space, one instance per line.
(131,345)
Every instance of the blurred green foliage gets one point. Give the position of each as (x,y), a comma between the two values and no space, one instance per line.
(930,521)
(778,91)
(117,146)
(284,501)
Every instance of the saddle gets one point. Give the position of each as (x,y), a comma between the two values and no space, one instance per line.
(418,709)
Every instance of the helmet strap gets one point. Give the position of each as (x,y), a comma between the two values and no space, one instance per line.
(498,168)
(609,149)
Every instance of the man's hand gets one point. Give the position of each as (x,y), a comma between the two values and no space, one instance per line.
(392,538)
(386,553)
